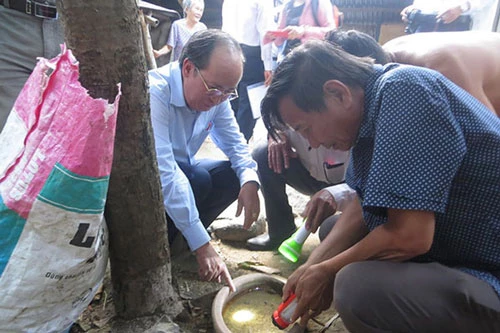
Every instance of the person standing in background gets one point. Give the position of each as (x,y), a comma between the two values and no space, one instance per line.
(302,20)
(438,15)
(28,29)
(248,21)
(183,29)
(316,172)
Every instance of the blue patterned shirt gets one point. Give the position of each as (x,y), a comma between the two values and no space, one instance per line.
(426,144)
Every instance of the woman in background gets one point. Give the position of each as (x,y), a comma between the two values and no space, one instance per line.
(302,20)
(183,29)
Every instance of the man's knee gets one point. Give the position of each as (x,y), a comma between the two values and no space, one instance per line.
(199,179)
(202,180)
(327,226)
(346,284)
(355,290)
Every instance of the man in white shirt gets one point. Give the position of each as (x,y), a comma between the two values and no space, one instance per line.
(318,172)
(189,101)
(248,21)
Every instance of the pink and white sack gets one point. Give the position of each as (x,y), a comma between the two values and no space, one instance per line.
(55,160)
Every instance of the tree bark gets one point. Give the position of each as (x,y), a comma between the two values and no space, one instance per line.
(105,37)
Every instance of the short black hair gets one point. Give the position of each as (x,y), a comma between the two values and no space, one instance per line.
(201,45)
(359,44)
(302,74)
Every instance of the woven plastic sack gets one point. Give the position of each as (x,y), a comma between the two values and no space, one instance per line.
(55,160)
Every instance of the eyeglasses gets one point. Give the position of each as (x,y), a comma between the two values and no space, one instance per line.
(216,93)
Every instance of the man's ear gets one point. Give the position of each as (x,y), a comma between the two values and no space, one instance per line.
(338,91)
(187,67)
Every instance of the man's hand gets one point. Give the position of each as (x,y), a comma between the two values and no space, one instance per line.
(291,282)
(268,77)
(449,15)
(404,13)
(321,206)
(211,266)
(313,286)
(314,291)
(249,199)
(279,153)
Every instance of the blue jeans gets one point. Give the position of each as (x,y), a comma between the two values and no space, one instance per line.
(215,186)
(427,22)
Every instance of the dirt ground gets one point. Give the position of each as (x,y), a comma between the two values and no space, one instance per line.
(197,296)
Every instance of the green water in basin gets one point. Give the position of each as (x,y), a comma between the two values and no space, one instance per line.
(251,312)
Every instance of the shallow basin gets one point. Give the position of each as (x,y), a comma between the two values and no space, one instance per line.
(245,285)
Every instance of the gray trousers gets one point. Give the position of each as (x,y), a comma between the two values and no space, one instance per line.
(23,38)
(379,297)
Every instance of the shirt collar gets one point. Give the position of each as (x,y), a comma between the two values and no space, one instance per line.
(176,88)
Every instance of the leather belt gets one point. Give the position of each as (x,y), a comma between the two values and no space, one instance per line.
(38,9)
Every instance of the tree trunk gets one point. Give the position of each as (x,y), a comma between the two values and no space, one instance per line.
(105,37)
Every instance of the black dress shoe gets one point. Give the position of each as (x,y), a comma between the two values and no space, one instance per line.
(263,243)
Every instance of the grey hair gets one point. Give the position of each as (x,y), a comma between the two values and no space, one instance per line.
(187,4)
(302,74)
(201,45)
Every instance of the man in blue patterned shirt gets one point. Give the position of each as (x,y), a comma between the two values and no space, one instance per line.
(418,250)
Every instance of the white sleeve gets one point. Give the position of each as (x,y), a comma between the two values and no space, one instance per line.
(343,194)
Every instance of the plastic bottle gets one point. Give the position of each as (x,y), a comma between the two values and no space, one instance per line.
(282,317)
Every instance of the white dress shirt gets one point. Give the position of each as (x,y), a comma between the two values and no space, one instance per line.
(314,159)
(248,21)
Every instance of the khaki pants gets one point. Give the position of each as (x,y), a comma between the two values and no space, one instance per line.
(378,296)
(23,38)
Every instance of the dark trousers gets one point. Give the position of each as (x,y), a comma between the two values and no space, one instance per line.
(253,72)
(280,220)
(215,186)
(378,296)
(463,23)
(423,22)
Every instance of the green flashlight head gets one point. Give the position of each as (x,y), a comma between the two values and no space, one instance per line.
(290,249)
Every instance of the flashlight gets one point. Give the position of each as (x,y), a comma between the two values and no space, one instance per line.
(282,317)
(292,247)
